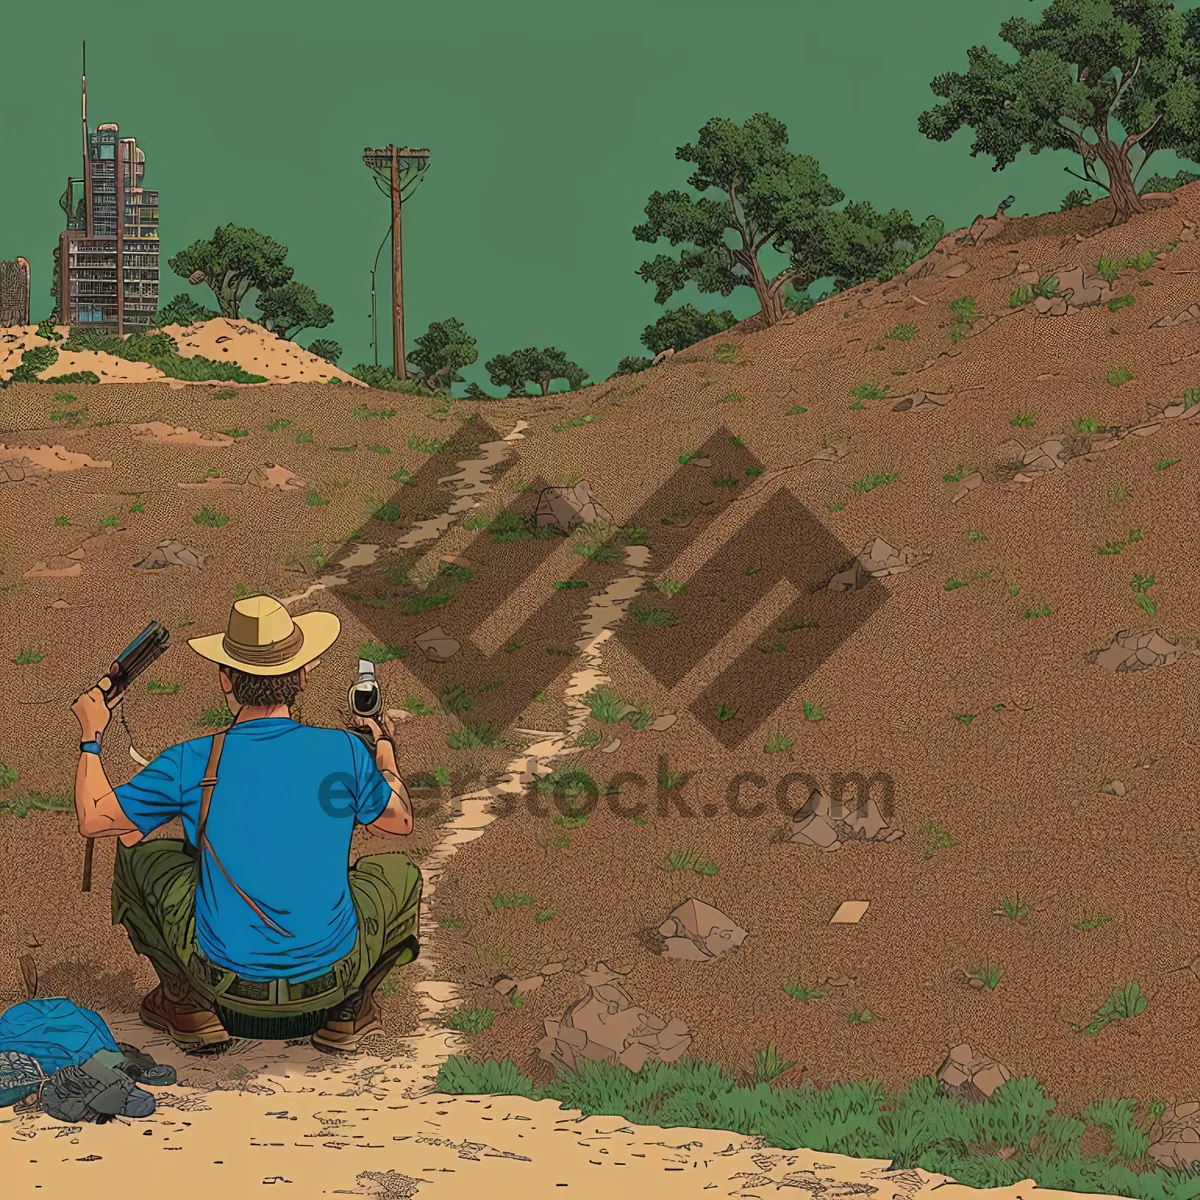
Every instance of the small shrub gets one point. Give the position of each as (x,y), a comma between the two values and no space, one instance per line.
(803,993)
(1165,464)
(1039,610)
(1046,287)
(471,1020)
(374,652)
(28,658)
(868,483)
(484,735)
(1086,425)
(362,412)
(779,743)
(426,602)
(210,517)
(1024,419)
(1093,922)
(1119,375)
(511,900)
(902,333)
(988,975)
(869,391)
(8,776)
(277,424)
(1021,295)
(314,499)
(1119,302)
(157,688)
(733,398)
(1015,909)
(812,712)
(725,712)
(652,618)
(547,914)
(726,353)
(304,437)
(767,1066)
(862,1016)
(1122,1004)
(936,838)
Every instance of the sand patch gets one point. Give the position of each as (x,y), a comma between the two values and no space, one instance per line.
(256,350)
(162,434)
(44,459)
(274,478)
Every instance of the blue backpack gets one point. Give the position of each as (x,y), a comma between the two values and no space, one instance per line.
(47,1033)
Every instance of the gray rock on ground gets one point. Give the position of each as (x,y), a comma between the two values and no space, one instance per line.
(437,645)
(970,1078)
(606,1025)
(1137,652)
(566,507)
(699,932)
(876,560)
(816,823)
(1175,1136)
(171,553)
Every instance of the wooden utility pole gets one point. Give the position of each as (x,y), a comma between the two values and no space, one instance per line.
(399,366)
(396,171)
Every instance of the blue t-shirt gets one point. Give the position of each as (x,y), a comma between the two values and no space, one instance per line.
(280,820)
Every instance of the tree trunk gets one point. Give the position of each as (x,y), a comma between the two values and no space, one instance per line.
(1121,187)
(770,298)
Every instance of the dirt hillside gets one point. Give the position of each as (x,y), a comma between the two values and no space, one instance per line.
(952,546)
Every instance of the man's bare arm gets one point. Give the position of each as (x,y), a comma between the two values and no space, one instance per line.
(396,820)
(96,806)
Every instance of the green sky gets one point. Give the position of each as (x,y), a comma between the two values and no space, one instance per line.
(549,122)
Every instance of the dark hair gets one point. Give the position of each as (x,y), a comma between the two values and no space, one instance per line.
(264,689)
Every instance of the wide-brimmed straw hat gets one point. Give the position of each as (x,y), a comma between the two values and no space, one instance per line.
(264,639)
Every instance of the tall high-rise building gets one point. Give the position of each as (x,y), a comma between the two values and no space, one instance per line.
(106,261)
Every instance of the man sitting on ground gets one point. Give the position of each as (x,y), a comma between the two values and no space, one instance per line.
(256,924)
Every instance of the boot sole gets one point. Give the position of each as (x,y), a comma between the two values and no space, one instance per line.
(180,1036)
(344,1043)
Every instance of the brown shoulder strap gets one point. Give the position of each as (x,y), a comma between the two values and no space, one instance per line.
(207,785)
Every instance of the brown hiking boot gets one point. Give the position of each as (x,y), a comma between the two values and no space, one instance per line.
(189,1023)
(345,1026)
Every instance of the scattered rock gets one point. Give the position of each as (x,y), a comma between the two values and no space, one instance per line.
(663,723)
(524,986)
(662,356)
(817,824)
(553,968)
(966,485)
(1191,313)
(918,401)
(171,553)
(699,932)
(876,560)
(60,603)
(163,434)
(58,567)
(567,507)
(437,645)
(504,985)
(969,1078)
(850,912)
(607,1026)
(275,478)
(1050,306)
(1113,787)
(1175,1136)
(1137,652)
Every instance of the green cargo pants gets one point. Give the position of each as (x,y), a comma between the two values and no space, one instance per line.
(154,897)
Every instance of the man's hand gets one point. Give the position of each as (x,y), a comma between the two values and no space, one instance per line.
(384,728)
(93,713)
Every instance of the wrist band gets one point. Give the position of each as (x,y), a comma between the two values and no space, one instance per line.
(90,747)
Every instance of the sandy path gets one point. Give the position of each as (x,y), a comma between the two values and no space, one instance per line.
(374,1122)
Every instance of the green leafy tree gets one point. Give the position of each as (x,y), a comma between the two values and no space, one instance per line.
(1167,183)
(541,367)
(679,328)
(442,352)
(291,307)
(632,365)
(1087,67)
(233,261)
(764,196)
(326,348)
(182,310)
